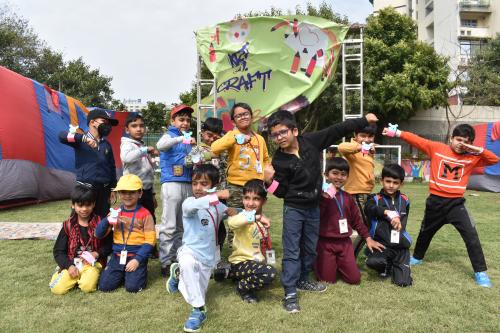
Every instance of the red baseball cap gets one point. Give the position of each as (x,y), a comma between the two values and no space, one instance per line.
(179,108)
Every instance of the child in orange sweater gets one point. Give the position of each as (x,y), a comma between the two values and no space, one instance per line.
(359,154)
(451,166)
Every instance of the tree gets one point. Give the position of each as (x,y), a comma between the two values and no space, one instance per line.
(484,76)
(402,75)
(22,51)
(155,116)
(77,79)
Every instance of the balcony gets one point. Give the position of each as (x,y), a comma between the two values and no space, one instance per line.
(475,6)
(473,33)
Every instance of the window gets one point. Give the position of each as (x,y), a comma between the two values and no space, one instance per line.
(469,23)
(470,47)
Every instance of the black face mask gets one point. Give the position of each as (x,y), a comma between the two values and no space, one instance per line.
(104,130)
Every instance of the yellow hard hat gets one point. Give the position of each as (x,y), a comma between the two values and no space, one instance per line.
(128,182)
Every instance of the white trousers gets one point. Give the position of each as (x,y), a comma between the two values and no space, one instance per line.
(194,277)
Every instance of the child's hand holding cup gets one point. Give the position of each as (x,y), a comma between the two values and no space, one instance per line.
(391,130)
(113,216)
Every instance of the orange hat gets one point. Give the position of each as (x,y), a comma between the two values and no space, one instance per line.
(179,108)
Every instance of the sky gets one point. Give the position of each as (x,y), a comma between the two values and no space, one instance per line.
(146,46)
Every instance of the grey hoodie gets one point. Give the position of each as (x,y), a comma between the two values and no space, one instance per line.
(136,161)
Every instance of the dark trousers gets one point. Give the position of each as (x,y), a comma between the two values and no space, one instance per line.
(102,199)
(300,237)
(360,200)
(252,275)
(114,275)
(147,202)
(440,211)
(336,255)
(397,261)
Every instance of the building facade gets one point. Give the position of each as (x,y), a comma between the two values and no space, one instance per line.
(455,28)
(134,105)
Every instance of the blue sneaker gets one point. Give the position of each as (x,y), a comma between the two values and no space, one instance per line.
(196,318)
(173,279)
(482,279)
(415,262)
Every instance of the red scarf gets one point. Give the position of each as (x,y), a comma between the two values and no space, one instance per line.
(72,230)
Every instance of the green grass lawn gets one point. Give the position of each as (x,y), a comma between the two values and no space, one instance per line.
(444,297)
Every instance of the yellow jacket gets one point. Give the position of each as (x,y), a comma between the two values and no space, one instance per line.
(361,176)
(242,159)
(246,241)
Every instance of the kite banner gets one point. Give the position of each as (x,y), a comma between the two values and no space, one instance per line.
(269,62)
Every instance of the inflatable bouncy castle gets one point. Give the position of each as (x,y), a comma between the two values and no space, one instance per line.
(34,165)
(488,178)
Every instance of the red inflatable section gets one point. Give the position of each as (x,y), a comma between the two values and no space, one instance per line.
(23,112)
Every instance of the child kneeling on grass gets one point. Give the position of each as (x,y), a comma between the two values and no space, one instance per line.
(388,211)
(199,253)
(134,238)
(78,253)
(250,244)
(338,215)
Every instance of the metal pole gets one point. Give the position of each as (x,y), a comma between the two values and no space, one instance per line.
(361,69)
(198,98)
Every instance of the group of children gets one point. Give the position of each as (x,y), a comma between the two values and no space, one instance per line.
(229,176)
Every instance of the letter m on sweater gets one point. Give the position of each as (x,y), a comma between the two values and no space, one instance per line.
(450,171)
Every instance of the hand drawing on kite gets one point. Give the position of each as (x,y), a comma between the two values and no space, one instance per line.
(310,44)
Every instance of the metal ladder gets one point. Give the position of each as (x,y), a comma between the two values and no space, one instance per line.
(355,44)
(200,82)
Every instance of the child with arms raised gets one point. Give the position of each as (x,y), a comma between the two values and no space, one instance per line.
(295,176)
(451,166)
(199,253)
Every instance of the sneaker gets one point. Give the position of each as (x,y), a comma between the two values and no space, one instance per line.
(291,304)
(309,285)
(165,271)
(173,280)
(414,261)
(221,272)
(482,279)
(195,320)
(248,296)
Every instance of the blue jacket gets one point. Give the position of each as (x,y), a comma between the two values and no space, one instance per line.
(174,159)
(93,166)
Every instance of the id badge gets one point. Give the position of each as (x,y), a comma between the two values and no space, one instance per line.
(78,263)
(123,257)
(395,236)
(343,226)
(217,253)
(258,167)
(270,257)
